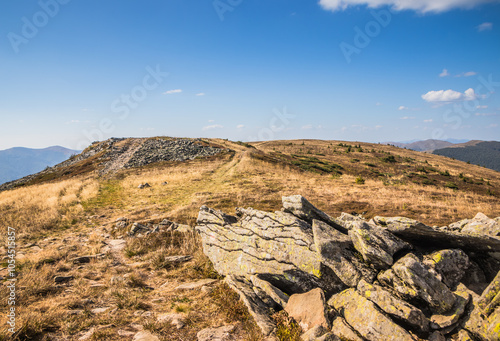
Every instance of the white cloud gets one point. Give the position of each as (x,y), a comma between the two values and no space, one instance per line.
(429,120)
(493,125)
(422,6)
(482,107)
(485,26)
(449,96)
(201,94)
(378,104)
(470,73)
(211,121)
(171,92)
(240,126)
(307,127)
(445,73)
(403,108)
(485,114)
(407,118)
(211,127)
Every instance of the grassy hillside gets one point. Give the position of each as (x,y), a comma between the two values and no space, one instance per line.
(57,220)
(486,154)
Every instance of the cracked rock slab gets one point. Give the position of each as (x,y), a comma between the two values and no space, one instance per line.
(260,242)
(362,315)
(409,277)
(254,304)
(376,245)
(303,209)
(413,231)
(394,306)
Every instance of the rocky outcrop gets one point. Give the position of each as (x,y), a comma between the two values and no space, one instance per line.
(376,245)
(383,279)
(420,234)
(479,225)
(112,155)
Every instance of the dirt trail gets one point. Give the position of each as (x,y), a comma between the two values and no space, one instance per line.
(118,162)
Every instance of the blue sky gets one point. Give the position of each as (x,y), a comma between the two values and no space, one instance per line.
(74,71)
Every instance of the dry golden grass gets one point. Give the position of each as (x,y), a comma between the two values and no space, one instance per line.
(77,217)
(41,208)
(245,181)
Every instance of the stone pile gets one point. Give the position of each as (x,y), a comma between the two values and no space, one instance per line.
(156,150)
(138,229)
(350,279)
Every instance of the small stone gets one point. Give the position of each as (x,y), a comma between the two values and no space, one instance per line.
(196,285)
(206,290)
(313,333)
(178,320)
(216,334)
(145,336)
(63,279)
(99,310)
(144,185)
(87,335)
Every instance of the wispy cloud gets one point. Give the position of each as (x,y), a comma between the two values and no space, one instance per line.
(428,120)
(201,94)
(212,127)
(407,118)
(485,114)
(482,107)
(422,6)
(77,122)
(240,126)
(402,107)
(445,73)
(449,96)
(470,73)
(485,26)
(171,92)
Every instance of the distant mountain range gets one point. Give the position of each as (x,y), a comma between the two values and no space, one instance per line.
(18,162)
(482,153)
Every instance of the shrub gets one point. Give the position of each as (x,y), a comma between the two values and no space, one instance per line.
(360,181)
(389,159)
(286,327)
(451,185)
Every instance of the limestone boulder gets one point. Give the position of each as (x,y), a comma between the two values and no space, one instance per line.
(338,253)
(481,225)
(376,245)
(366,319)
(410,278)
(256,307)
(303,209)
(343,331)
(277,244)
(451,264)
(395,307)
(417,233)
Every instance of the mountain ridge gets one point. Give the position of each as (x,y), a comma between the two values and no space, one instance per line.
(18,162)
